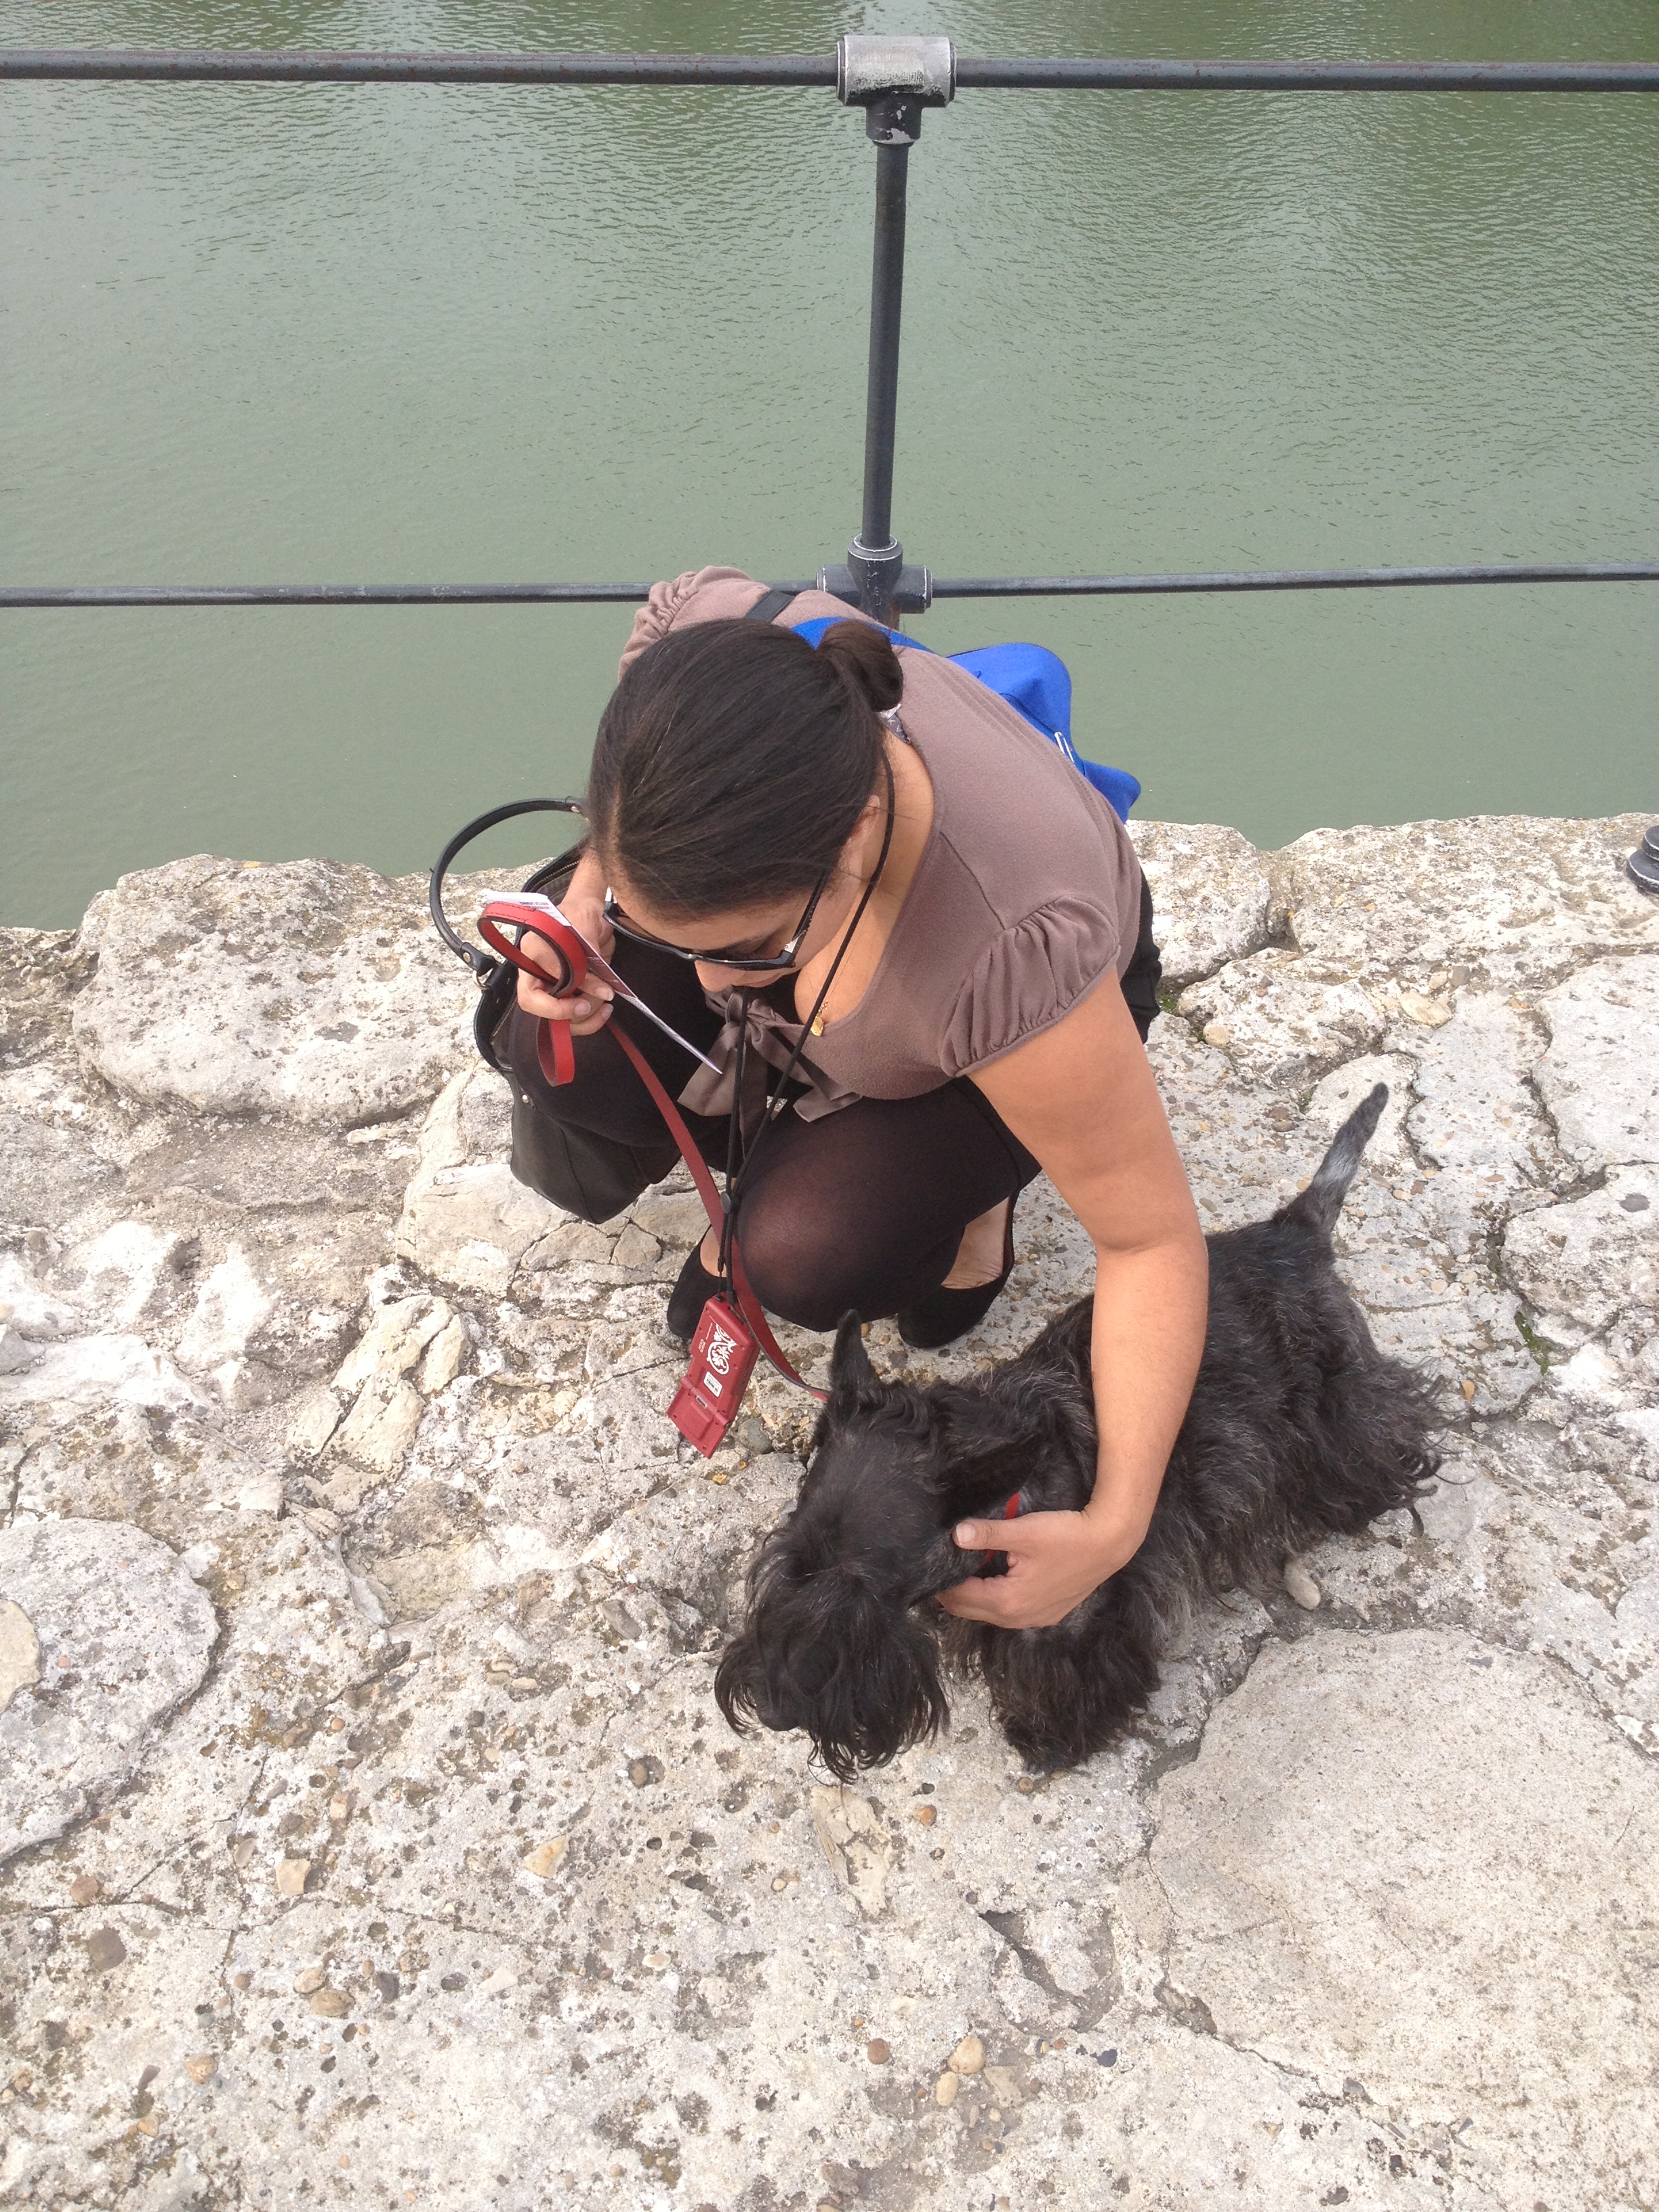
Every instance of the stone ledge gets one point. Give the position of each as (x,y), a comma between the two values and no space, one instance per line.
(408,1831)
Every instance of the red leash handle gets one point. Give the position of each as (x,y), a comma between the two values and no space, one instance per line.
(557,1051)
(555,1048)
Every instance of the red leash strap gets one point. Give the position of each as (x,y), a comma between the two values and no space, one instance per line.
(555,1050)
(748,1304)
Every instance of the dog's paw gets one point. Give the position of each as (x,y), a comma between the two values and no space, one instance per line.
(1301,1585)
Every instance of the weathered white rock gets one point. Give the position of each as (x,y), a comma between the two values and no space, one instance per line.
(1477,1122)
(1508,895)
(32,1312)
(1447,1508)
(1599,1078)
(674,1216)
(98,1370)
(466,1221)
(1638,1609)
(491,1655)
(1584,1265)
(1282,1019)
(120,1269)
(381,1426)
(856,1844)
(445,1357)
(311,988)
(19,1651)
(41,970)
(1475,1113)
(1347,1906)
(124,1636)
(370,1415)
(394,1340)
(16,1351)
(231,1303)
(1210,896)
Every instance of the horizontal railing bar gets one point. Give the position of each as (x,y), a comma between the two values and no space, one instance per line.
(302,66)
(1306,76)
(305,66)
(1293,579)
(315,595)
(944,587)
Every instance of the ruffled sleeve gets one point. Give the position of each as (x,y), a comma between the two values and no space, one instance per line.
(700,595)
(1028,978)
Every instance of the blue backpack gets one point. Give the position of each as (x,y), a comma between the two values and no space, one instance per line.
(1038,684)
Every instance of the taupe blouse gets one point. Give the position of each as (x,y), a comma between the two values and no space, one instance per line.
(1027,893)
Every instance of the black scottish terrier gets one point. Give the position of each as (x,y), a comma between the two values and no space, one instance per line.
(1298,1428)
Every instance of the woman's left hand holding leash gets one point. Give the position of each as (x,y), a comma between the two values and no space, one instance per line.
(1054,1561)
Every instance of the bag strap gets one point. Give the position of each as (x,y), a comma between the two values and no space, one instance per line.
(771,605)
(480,962)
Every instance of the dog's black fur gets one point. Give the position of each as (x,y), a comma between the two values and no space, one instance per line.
(1298,1428)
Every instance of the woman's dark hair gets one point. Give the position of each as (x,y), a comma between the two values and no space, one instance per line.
(733,761)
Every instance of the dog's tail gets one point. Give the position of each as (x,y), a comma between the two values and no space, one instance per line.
(1317,1207)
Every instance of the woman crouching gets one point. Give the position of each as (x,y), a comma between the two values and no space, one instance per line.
(877,897)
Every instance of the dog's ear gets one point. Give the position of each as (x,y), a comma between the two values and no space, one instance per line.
(853,1380)
(974,1463)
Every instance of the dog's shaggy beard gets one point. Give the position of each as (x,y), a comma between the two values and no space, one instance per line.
(831,1656)
(829,1643)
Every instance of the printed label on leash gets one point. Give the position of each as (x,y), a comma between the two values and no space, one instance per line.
(722,1359)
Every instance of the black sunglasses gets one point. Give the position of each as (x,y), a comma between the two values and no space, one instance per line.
(754,964)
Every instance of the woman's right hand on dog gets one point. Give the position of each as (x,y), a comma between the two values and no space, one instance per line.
(588,1009)
(1055,1560)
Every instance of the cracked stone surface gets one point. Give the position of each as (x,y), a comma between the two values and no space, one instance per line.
(314,989)
(407,1859)
(107,1634)
(1503,1958)
(1600,1092)
(1213,886)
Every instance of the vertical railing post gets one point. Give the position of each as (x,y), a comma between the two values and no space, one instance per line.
(892,79)
(875,549)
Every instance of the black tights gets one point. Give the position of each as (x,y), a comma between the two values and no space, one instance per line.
(862,1209)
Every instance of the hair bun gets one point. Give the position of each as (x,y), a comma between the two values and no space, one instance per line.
(864,658)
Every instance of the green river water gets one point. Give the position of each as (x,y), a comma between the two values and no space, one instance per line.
(341,334)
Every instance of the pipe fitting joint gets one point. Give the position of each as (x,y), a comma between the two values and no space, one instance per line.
(893,79)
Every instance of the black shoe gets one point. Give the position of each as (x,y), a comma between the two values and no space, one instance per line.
(943,1315)
(689,1296)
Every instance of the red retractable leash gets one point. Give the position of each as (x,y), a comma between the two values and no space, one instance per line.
(726,1343)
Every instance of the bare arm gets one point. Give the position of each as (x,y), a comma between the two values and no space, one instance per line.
(1081,1098)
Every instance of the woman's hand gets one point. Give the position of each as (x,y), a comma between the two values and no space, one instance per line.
(583,903)
(1054,1561)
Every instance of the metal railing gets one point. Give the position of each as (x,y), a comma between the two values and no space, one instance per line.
(893,79)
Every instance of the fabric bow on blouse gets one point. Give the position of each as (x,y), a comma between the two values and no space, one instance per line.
(770,1042)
